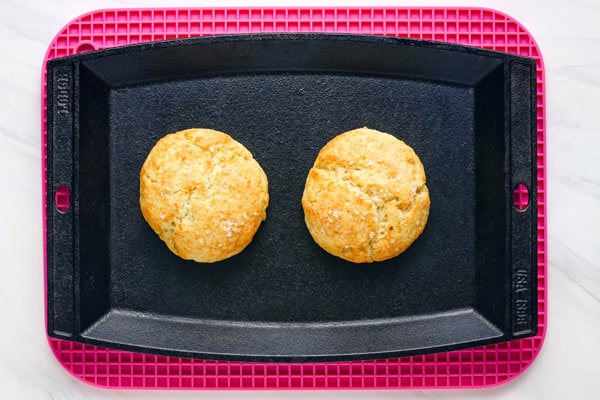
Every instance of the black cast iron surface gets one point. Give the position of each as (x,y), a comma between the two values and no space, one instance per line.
(469,280)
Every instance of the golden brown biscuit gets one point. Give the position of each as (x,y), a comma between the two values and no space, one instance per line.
(365,197)
(203,194)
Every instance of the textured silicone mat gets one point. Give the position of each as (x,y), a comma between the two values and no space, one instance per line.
(477,367)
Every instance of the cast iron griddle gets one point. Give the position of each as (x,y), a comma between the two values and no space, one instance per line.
(469,280)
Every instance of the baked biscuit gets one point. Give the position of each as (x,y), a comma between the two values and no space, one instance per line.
(203,194)
(365,198)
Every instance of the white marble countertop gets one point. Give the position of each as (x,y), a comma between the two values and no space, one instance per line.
(567,367)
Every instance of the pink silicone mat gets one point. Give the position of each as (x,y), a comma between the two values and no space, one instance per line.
(484,366)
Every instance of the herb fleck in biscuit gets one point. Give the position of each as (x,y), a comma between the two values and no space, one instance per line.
(203,194)
(365,198)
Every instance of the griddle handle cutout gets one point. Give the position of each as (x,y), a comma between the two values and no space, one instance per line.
(61,224)
(523,222)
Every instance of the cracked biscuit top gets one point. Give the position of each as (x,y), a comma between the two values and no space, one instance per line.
(365,197)
(203,194)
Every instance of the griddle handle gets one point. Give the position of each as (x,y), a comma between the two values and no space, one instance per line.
(61,207)
(523,225)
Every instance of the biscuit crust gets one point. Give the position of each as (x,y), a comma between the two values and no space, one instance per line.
(203,193)
(366,197)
